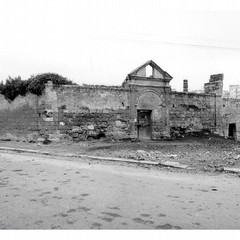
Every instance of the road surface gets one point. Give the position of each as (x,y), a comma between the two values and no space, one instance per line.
(42,192)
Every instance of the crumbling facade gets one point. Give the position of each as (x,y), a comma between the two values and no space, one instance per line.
(234,92)
(144,107)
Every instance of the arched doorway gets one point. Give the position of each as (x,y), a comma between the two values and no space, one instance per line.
(149,113)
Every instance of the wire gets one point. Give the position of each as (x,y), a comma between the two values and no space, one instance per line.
(147,42)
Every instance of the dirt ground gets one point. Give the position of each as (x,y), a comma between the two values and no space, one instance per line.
(201,153)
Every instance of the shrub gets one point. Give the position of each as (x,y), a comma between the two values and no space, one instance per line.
(35,85)
(13,87)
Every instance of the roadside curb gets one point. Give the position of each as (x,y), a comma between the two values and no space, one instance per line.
(174,165)
(24,150)
(232,170)
(78,156)
(165,164)
(120,160)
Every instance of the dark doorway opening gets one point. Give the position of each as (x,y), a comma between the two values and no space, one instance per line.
(144,124)
(232,130)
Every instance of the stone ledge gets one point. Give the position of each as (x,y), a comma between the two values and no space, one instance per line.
(232,170)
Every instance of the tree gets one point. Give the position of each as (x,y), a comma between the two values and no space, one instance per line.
(13,87)
(36,84)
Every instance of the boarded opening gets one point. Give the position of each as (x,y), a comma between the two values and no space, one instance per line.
(144,124)
(232,130)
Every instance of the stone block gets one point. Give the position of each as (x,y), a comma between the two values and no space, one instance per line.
(32,137)
(118,135)
(76,129)
(90,127)
(119,124)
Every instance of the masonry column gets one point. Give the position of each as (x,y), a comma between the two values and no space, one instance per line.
(133,112)
(49,110)
(185,85)
(215,87)
(167,107)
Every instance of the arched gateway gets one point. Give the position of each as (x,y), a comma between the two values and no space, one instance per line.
(148,106)
(149,111)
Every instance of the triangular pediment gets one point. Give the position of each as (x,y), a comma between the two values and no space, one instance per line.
(155,71)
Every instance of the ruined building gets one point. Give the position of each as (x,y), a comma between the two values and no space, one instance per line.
(234,92)
(144,107)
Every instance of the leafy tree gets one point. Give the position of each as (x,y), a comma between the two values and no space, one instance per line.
(13,87)
(35,84)
(1,86)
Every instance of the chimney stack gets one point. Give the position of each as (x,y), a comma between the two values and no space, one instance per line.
(185,85)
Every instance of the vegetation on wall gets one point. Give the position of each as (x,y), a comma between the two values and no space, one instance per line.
(13,87)
(35,85)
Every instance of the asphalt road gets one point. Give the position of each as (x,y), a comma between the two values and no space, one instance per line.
(41,192)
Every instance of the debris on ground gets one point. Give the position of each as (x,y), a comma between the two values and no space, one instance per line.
(199,153)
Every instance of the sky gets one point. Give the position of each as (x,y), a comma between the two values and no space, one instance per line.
(101,41)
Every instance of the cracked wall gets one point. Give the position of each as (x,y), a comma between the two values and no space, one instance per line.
(85,112)
(19,117)
(231,115)
(193,112)
(190,112)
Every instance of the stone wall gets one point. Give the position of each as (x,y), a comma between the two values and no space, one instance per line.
(79,111)
(48,111)
(215,85)
(155,100)
(87,111)
(191,112)
(234,91)
(19,117)
(84,112)
(231,115)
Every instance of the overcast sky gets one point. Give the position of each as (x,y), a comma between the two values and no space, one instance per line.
(100,42)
